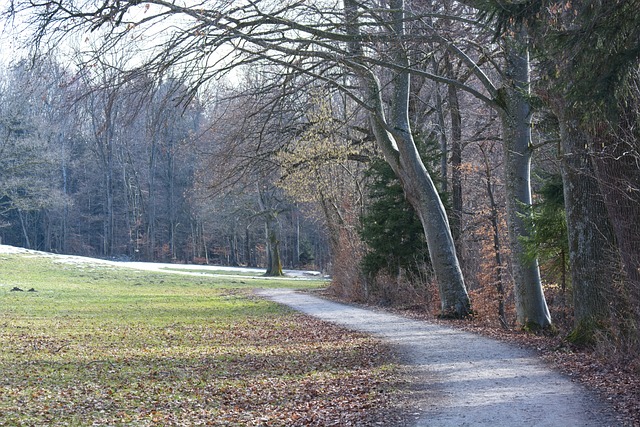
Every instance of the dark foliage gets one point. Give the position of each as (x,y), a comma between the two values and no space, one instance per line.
(548,240)
(588,47)
(391,228)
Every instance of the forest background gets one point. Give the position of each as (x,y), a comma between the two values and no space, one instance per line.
(475,158)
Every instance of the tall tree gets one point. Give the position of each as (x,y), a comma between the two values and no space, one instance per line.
(509,96)
(592,254)
(272,32)
(590,55)
(516,116)
(249,128)
(27,161)
(395,140)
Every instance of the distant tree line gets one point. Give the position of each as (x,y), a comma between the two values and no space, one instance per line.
(97,168)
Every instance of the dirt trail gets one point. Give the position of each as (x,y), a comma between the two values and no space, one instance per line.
(469,380)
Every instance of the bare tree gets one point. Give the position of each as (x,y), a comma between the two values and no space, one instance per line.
(27,158)
(318,40)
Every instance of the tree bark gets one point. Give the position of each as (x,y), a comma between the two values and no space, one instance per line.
(456,157)
(274,263)
(444,143)
(615,154)
(592,256)
(531,307)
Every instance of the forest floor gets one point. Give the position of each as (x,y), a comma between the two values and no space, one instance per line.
(468,379)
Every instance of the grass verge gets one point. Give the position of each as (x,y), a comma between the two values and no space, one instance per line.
(95,345)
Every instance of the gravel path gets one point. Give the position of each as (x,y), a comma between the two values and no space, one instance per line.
(469,380)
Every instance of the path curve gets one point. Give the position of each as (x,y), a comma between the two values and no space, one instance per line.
(469,380)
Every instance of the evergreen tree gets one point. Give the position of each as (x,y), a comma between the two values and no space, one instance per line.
(547,224)
(391,228)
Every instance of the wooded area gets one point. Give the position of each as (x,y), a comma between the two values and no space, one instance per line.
(245,132)
(121,171)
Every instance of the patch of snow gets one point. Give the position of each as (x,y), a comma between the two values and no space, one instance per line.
(163,267)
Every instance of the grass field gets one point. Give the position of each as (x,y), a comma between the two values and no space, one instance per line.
(96,345)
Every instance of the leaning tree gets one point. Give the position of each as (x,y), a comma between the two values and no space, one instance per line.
(338,44)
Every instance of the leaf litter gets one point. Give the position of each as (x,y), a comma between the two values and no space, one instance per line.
(283,370)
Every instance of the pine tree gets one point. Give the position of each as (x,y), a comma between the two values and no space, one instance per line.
(391,228)
(547,224)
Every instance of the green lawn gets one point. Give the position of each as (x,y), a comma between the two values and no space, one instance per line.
(97,345)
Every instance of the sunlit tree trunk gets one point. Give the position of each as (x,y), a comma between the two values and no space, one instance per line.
(531,307)
(395,140)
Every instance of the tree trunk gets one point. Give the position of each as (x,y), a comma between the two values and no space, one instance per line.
(444,143)
(64,232)
(456,157)
(422,194)
(531,307)
(247,247)
(297,253)
(151,200)
(592,256)
(171,196)
(615,154)
(497,247)
(25,233)
(109,215)
(400,152)
(233,247)
(274,263)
